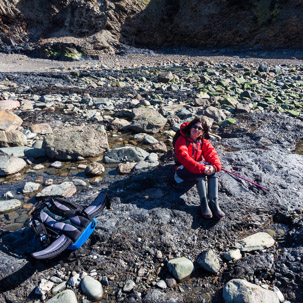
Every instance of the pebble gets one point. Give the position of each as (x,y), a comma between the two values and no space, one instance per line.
(74,281)
(92,288)
(129,286)
(56,164)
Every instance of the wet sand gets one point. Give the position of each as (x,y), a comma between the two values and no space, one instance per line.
(22,63)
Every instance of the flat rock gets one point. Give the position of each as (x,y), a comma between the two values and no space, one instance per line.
(65,189)
(127,153)
(9,104)
(233,254)
(31,187)
(41,128)
(241,291)
(9,205)
(10,165)
(24,151)
(257,241)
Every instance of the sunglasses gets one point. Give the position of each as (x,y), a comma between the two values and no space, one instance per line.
(197,127)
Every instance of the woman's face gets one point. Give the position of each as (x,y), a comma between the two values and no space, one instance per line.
(196,130)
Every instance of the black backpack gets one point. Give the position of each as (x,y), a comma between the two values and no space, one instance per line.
(60,224)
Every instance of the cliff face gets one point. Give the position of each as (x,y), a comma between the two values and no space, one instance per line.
(104,24)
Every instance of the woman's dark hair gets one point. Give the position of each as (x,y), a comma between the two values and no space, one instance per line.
(186,129)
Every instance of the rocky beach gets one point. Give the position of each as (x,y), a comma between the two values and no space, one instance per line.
(74,129)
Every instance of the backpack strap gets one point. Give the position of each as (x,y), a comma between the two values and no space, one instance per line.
(62,207)
(40,229)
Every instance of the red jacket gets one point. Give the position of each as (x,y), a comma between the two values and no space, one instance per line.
(189,153)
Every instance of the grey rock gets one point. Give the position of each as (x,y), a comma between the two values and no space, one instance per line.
(209,261)
(10,165)
(127,153)
(233,254)
(58,288)
(24,151)
(165,77)
(257,241)
(145,164)
(215,113)
(241,291)
(77,141)
(161,284)
(65,189)
(30,187)
(180,268)
(129,286)
(66,296)
(147,120)
(95,169)
(79,182)
(9,205)
(92,288)
(57,164)
(149,139)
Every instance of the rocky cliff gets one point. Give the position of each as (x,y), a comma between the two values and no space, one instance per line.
(104,25)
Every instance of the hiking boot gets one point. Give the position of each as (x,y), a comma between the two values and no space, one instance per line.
(215,208)
(205,210)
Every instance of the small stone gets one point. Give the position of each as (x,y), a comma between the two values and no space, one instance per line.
(161,284)
(171,282)
(58,288)
(44,287)
(38,167)
(9,194)
(209,261)
(31,187)
(233,254)
(128,286)
(56,164)
(125,168)
(74,281)
(95,169)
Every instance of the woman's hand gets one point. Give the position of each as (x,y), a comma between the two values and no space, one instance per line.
(209,170)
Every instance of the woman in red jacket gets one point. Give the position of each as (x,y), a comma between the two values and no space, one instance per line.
(197,161)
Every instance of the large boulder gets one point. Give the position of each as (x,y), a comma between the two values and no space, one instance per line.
(9,120)
(147,120)
(78,141)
